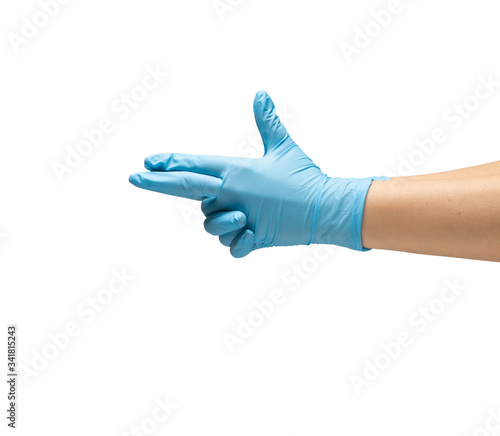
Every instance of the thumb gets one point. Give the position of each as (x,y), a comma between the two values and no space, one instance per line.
(271,129)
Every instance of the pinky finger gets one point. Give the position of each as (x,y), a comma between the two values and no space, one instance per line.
(243,244)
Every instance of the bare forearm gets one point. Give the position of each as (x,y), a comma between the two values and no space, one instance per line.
(458,217)
(485,170)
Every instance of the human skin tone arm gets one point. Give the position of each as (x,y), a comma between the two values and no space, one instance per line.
(454,214)
(489,169)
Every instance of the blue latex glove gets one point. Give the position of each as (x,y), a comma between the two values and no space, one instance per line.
(282,198)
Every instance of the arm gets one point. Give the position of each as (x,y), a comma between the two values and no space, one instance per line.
(455,214)
(284,199)
(489,169)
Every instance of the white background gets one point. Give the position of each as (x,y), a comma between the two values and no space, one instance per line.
(162,336)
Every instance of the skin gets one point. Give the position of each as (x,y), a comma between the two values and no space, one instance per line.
(453,213)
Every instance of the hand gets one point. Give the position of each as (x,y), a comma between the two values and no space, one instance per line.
(280,199)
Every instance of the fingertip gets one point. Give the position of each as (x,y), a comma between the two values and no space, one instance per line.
(243,245)
(239,219)
(155,162)
(261,95)
(135,179)
(261,101)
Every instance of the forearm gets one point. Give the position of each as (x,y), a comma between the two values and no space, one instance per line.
(485,170)
(457,217)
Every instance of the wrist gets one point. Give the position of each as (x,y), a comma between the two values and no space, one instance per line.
(338,214)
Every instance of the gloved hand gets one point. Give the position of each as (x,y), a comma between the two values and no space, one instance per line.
(282,198)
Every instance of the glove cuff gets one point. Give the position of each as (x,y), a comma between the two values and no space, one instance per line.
(358,209)
(338,215)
